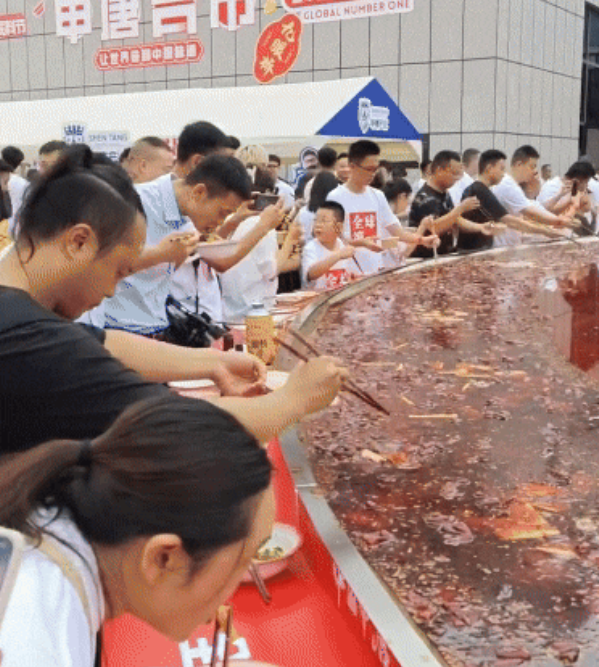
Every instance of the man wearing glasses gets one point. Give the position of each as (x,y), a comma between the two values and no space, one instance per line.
(368,216)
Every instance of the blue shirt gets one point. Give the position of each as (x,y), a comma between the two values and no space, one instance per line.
(139,302)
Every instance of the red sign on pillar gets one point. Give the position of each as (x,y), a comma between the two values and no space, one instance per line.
(277,49)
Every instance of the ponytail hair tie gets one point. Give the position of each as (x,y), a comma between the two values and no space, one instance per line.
(85,454)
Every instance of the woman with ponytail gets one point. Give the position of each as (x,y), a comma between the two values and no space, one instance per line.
(159,517)
(80,231)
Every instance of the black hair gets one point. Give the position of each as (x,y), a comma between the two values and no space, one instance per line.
(490,158)
(201,138)
(263,181)
(524,154)
(222,174)
(337,209)
(363,149)
(327,157)
(582,170)
(52,147)
(79,187)
(468,155)
(33,175)
(396,188)
(5,167)
(548,166)
(275,158)
(323,184)
(169,465)
(342,155)
(13,155)
(443,158)
(234,142)
(124,155)
(424,164)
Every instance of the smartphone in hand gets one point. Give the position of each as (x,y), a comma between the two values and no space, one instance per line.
(262,201)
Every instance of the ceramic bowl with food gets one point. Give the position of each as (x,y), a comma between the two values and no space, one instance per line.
(274,556)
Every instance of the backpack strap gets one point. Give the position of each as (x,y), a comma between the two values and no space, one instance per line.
(58,557)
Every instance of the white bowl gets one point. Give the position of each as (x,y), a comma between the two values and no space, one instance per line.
(216,250)
(289,540)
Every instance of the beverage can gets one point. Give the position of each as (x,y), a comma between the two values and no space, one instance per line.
(260,333)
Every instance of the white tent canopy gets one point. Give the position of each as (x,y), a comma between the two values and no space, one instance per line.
(288,114)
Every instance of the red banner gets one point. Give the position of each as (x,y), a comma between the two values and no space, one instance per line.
(277,49)
(150,55)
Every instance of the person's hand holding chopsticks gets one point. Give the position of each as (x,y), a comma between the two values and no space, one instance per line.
(316,383)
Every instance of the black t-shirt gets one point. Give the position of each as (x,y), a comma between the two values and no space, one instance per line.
(56,378)
(429,201)
(491,210)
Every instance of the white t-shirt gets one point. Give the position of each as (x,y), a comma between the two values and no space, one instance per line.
(306,220)
(17,186)
(594,189)
(550,189)
(337,276)
(254,279)
(512,197)
(366,216)
(139,303)
(185,287)
(45,622)
(457,190)
(287,192)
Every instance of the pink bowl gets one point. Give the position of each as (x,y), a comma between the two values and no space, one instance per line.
(289,540)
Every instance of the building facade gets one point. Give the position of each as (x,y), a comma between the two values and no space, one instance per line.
(468,73)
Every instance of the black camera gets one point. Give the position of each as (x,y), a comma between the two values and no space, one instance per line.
(190,329)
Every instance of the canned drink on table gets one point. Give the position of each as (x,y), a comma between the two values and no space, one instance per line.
(260,333)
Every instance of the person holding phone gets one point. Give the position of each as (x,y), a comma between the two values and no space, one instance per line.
(135,536)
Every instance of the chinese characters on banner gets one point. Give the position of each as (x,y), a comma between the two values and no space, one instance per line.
(318,11)
(232,14)
(12,25)
(150,55)
(362,225)
(121,20)
(277,49)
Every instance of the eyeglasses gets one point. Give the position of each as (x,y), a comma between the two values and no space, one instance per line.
(370,170)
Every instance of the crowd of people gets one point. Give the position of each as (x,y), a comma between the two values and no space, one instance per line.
(106,461)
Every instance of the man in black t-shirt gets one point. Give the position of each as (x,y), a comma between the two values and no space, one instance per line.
(433,200)
(492,168)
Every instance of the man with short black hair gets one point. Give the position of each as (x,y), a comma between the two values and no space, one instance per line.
(557,195)
(368,216)
(342,168)
(148,159)
(213,189)
(470,163)
(398,194)
(282,187)
(49,154)
(492,166)
(510,194)
(546,173)
(327,158)
(433,200)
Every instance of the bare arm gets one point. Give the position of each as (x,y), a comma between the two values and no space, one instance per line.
(310,388)
(528,227)
(234,373)
(270,219)
(175,249)
(235,219)
(287,257)
(318,269)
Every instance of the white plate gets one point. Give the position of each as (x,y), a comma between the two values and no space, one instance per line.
(216,250)
(274,380)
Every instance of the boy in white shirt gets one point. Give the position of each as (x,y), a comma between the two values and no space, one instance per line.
(327,263)
(368,215)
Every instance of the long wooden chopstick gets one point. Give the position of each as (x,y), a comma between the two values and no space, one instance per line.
(348,386)
(259,581)
(368,398)
(228,637)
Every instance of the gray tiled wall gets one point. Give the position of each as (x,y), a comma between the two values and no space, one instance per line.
(467,72)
